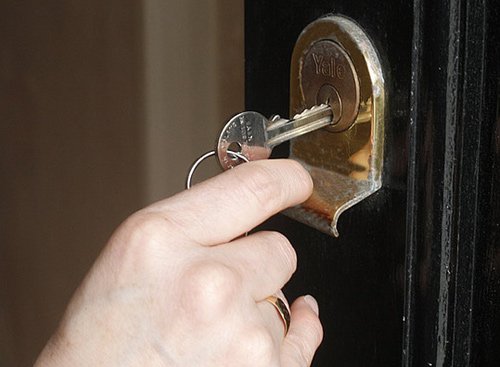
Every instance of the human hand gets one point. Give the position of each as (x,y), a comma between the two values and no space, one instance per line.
(176,285)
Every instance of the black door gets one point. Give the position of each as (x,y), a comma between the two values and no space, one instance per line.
(414,279)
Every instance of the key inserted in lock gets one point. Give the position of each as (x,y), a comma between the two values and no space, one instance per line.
(334,62)
(253,135)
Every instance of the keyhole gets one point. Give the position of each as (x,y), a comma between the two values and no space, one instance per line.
(328,94)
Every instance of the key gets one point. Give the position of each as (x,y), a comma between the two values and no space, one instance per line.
(254,136)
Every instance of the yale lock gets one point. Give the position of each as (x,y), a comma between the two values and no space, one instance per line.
(337,104)
(334,62)
(327,75)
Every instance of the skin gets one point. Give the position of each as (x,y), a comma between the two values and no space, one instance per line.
(178,285)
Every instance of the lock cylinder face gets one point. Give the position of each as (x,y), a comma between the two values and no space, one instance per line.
(328,76)
(334,62)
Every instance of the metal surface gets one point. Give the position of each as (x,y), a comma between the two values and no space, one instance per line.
(255,136)
(334,59)
(197,162)
(309,120)
(326,75)
(248,131)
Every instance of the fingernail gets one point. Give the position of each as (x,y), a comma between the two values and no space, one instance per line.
(312,303)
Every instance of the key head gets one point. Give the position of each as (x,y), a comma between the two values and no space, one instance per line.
(245,133)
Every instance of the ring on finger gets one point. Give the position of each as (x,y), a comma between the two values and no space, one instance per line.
(282,309)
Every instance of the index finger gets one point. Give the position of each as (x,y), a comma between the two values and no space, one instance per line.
(230,204)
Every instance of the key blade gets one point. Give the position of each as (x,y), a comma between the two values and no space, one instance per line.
(276,122)
(310,120)
(315,112)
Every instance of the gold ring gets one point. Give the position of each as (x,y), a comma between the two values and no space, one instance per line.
(282,309)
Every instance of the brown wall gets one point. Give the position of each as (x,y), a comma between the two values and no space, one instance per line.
(83,130)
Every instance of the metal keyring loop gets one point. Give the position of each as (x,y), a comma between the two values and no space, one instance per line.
(196,163)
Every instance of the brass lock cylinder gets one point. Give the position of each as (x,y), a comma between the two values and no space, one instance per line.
(335,62)
(328,76)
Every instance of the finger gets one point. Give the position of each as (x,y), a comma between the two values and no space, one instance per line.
(305,334)
(265,261)
(235,201)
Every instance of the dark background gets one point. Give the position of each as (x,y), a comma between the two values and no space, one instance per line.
(414,278)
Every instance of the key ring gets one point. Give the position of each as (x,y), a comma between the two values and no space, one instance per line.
(205,156)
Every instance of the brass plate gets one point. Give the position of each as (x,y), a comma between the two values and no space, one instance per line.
(346,164)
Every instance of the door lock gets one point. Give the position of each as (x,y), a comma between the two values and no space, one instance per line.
(335,63)
(328,76)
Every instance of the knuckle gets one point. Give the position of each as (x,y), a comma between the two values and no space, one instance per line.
(300,173)
(144,226)
(209,290)
(138,238)
(263,187)
(302,351)
(287,253)
(257,345)
(314,332)
(305,343)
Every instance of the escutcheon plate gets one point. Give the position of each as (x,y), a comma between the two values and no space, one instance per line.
(333,58)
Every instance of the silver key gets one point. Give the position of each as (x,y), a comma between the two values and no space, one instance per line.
(254,136)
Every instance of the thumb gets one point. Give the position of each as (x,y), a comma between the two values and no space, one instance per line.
(305,334)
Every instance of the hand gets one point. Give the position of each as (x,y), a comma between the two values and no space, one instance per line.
(176,285)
